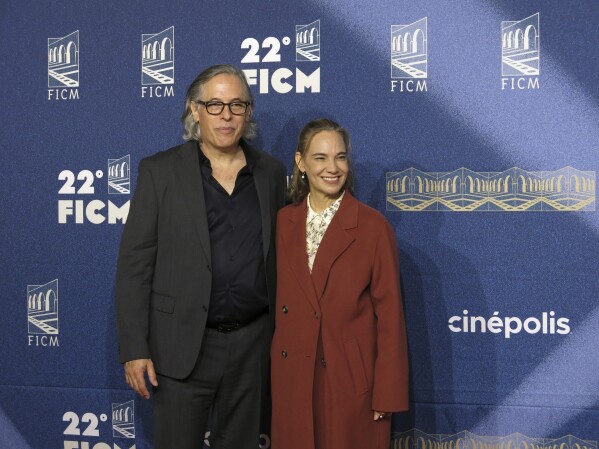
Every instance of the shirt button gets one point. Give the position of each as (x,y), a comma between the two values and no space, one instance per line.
(316,315)
(323,362)
(284,354)
(285,309)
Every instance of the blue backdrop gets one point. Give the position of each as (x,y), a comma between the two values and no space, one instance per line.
(475,128)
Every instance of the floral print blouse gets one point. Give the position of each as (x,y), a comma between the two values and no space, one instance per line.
(316,226)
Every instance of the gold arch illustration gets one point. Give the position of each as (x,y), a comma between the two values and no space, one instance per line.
(514,190)
(417,439)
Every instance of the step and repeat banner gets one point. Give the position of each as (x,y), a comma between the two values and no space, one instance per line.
(475,130)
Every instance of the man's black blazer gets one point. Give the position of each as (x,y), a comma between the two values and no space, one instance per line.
(164,274)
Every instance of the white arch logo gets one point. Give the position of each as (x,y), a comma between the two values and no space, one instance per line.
(521,47)
(307,42)
(409,50)
(119,175)
(123,420)
(63,60)
(42,308)
(158,57)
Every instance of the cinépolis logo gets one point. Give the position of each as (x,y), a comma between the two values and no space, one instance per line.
(547,323)
(158,64)
(79,203)
(63,67)
(409,57)
(520,53)
(42,314)
(298,73)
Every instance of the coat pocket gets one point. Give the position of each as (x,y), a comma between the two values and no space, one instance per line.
(162,303)
(356,366)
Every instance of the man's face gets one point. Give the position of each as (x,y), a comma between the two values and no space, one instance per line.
(221,132)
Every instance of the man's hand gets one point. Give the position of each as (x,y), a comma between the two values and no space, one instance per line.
(134,375)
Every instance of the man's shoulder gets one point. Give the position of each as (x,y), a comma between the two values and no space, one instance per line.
(266,160)
(170,154)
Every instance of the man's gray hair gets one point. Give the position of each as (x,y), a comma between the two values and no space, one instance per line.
(195,91)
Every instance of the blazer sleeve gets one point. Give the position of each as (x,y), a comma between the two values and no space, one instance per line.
(281,188)
(135,268)
(390,390)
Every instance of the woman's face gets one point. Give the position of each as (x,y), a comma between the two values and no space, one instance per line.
(326,164)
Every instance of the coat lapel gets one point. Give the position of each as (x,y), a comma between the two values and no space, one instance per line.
(294,235)
(189,175)
(335,241)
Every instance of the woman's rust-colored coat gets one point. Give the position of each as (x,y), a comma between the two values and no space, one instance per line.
(352,299)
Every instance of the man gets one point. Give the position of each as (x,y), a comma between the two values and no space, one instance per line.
(195,286)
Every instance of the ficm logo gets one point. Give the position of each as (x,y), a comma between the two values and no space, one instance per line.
(91,424)
(409,57)
(271,51)
(63,67)
(548,324)
(158,64)
(520,53)
(42,314)
(84,205)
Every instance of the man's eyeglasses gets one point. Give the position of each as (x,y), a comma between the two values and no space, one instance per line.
(217,107)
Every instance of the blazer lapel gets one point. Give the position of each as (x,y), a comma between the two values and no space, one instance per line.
(335,241)
(189,175)
(262,183)
(294,236)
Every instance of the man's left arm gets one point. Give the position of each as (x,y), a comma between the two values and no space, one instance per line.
(135,269)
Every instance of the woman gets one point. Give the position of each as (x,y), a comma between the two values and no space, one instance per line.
(339,353)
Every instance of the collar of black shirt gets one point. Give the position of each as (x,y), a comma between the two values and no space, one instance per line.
(248,151)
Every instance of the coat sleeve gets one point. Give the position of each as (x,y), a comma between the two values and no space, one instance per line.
(390,390)
(135,269)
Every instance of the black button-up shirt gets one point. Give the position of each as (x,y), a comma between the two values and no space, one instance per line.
(239,292)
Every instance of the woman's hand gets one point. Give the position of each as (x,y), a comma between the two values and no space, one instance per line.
(380,415)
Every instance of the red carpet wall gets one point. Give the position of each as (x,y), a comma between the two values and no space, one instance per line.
(475,127)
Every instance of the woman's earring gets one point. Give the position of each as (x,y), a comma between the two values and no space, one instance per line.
(304,175)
